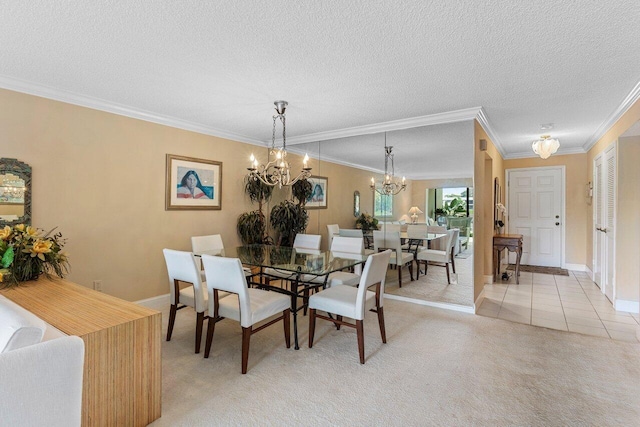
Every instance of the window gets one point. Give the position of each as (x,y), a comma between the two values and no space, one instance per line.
(382,205)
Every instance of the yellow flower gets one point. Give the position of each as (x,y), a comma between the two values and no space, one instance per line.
(5,233)
(41,247)
(32,231)
(20,227)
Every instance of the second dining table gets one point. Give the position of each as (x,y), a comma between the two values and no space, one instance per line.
(305,269)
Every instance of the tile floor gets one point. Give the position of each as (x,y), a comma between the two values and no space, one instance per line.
(571,303)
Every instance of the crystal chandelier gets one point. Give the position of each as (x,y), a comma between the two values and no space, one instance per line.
(545,146)
(277,171)
(389,185)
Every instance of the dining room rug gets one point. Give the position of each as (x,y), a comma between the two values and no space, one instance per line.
(537,269)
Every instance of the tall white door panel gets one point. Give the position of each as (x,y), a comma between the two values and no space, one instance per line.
(536,210)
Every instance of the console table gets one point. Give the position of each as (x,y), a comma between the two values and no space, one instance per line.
(511,242)
(122,381)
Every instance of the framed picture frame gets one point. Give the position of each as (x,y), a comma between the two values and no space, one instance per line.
(319,193)
(193,184)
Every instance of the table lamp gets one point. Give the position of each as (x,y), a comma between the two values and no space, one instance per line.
(414,211)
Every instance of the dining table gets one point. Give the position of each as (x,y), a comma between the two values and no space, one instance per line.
(304,269)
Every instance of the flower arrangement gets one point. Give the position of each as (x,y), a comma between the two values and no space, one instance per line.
(366,222)
(25,254)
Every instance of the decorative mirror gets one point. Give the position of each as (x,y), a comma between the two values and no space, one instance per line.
(356,203)
(15,192)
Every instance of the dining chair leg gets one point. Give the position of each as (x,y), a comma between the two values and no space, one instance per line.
(287,327)
(453,260)
(383,332)
(400,277)
(448,278)
(210,329)
(312,325)
(199,323)
(246,340)
(360,329)
(411,270)
(338,324)
(172,320)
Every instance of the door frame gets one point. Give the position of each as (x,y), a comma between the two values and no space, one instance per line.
(563,203)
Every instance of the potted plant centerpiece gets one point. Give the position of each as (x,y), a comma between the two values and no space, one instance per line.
(25,254)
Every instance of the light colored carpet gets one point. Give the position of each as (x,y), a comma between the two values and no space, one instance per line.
(433,287)
(438,368)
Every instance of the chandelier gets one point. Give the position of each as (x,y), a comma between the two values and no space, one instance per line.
(277,171)
(389,185)
(545,146)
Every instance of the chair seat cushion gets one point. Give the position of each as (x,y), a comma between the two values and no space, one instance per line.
(187,295)
(284,274)
(433,255)
(264,304)
(406,257)
(341,300)
(343,278)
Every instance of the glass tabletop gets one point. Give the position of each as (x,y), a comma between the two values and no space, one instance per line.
(293,259)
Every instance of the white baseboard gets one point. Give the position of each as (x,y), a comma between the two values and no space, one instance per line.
(446,306)
(589,272)
(157,303)
(575,267)
(628,306)
(479,300)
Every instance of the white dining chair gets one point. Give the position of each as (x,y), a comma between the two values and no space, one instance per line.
(332,230)
(355,232)
(343,247)
(353,302)
(399,258)
(438,244)
(210,244)
(243,304)
(182,268)
(438,257)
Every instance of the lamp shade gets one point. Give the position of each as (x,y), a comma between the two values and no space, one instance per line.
(545,146)
(415,210)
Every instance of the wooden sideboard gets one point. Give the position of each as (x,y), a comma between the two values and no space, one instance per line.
(511,242)
(122,382)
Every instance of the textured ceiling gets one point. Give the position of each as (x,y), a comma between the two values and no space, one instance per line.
(218,66)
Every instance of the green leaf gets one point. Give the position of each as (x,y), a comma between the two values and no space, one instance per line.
(7,258)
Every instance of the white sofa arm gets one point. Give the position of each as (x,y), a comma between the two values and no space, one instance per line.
(42,384)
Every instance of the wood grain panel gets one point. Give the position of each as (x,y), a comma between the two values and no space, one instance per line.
(122,382)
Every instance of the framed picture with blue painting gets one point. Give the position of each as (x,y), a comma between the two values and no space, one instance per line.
(318,197)
(193,184)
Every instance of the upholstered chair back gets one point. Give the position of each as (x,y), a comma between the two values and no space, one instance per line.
(183,266)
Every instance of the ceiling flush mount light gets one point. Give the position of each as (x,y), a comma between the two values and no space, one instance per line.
(545,146)
(414,211)
(389,185)
(277,171)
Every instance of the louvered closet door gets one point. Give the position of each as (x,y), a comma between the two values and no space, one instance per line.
(609,213)
(598,223)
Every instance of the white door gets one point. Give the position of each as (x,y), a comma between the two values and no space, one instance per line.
(598,222)
(535,209)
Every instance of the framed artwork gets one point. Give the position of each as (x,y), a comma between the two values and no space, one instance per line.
(193,184)
(318,198)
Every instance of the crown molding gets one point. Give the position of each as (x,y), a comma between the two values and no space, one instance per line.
(531,154)
(630,99)
(413,122)
(493,136)
(68,97)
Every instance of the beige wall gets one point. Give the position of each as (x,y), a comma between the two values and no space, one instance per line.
(487,166)
(575,199)
(100,178)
